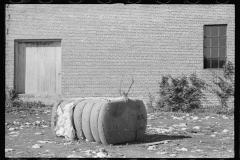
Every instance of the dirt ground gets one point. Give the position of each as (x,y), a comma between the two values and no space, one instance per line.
(28,134)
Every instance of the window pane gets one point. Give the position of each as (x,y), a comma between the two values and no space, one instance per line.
(207,30)
(222,62)
(214,30)
(207,42)
(214,63)
(214,42)
(214,52)
(207,52)
(223,30)
(206,63)
(222,41)
(222,52)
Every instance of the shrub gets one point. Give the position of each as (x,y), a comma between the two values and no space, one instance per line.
(182,93)
(10,97)
(225,85)
(150,102)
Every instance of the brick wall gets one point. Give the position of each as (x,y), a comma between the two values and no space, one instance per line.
(100,43)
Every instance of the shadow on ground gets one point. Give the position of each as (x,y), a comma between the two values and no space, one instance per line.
(149,138)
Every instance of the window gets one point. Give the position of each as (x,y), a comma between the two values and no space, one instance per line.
(215,44)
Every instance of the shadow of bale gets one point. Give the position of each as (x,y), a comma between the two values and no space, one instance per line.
(149,138)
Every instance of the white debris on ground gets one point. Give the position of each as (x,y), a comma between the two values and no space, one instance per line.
(11,129)
(44,142)
(162,130)
(224,117)
(194,118)
(182,149)
(153,147)
(173,155)
(196,127)
(47,111)
(161,153)
(225,131)
(90,152)
(166,141)
(206,118)
(14,134)
(14,122)
(36,146)
(190,156)
(9,150)
(64,125)
(102,154)
(67,143)
(199,150)
(74,156)
(186,117)
(38,122)
(184,129)
(150,117)
(178,118)
(180,125)
(38,133)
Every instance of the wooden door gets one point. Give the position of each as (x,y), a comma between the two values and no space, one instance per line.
(39,68)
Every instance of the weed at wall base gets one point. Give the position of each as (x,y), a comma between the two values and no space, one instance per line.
(225,85)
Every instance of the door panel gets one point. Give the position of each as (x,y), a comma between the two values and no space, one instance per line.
(20,68)
(42,67)
(58,70)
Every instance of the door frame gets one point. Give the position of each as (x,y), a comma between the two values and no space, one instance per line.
(16,44)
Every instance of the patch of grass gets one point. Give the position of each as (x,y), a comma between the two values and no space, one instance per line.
(150,102)
(27,105)
(13,103)
(222,110)
(205,111)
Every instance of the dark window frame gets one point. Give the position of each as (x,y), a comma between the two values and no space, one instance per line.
(208,40)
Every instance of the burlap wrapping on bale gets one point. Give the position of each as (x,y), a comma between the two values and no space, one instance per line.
(121,121)
(110,121)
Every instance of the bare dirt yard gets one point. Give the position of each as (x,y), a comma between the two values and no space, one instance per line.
(28,134)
